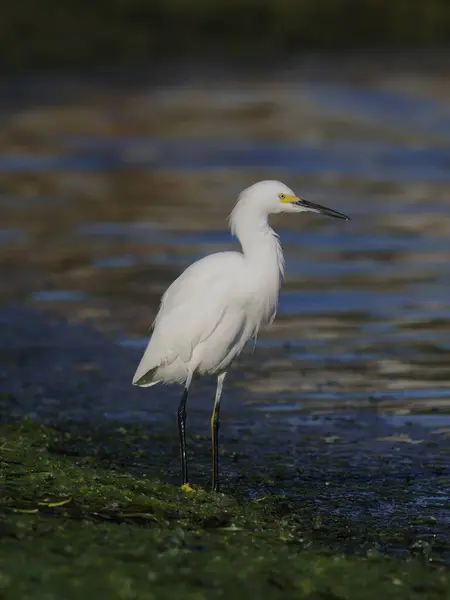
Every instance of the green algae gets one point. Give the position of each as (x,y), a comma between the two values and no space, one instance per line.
(133,32)
(79,517)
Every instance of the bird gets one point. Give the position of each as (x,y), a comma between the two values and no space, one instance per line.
(219,303)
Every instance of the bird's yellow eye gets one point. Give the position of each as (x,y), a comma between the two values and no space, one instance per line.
(282,196)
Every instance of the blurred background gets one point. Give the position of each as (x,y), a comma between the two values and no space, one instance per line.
(128,128)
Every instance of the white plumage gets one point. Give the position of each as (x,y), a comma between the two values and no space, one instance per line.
(220,302)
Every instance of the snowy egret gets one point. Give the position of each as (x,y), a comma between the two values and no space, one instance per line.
(219,303)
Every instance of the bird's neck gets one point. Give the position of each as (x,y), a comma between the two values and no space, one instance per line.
(260,244)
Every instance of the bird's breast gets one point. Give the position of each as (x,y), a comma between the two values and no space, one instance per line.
(262,299)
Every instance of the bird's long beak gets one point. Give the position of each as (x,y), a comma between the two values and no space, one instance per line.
(320,209)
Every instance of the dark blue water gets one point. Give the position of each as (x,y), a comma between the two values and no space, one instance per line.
(377,162)
(364,315)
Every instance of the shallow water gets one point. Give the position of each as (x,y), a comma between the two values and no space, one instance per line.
(344,404)
(106,199)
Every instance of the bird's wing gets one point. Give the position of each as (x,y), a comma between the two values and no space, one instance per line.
(180,330)
(191,309)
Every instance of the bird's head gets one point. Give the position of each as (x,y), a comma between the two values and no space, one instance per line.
(275,197)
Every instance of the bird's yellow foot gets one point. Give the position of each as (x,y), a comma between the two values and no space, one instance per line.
(186,487)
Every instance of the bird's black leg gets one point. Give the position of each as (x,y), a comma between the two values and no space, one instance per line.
(215,433)
(182,434)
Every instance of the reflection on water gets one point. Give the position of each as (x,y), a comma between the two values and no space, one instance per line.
(106,201)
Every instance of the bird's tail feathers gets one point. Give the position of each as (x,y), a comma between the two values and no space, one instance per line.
(145,379)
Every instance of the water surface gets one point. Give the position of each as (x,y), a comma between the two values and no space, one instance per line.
(107,199)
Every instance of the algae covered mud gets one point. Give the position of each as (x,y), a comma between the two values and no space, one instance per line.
(82,518)
(335,430)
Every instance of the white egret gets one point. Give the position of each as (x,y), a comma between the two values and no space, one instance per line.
(219,303)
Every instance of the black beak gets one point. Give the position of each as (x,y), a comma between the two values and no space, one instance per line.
(321,209)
